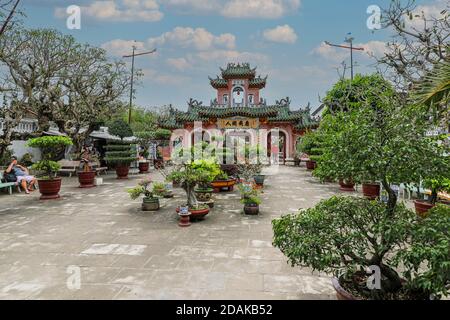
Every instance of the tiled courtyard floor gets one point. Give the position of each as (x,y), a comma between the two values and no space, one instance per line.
(124,253)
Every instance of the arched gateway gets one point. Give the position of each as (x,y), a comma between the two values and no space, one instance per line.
(239,110)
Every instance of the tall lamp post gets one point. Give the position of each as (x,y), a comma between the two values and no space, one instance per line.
(132,56)
(351,48)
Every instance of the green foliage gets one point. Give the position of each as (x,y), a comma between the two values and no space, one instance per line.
(207,170)
(437,185)
(26,160)
(379,138)
(120,129)
(344,235)
(143,188)
(249,195)
(159,189)
(49,142)
(120,153)
(50,147)
(426,259)
(136,192)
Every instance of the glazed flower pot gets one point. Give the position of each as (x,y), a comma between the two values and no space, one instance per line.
(86,179)
(49,189)
(203,195)
(311,165)
(259,179)
(341,293)
(251,209)
(150,204)
(144,167)
(122,171)
(219,185)
(371,190)
(347,186)
(422,207)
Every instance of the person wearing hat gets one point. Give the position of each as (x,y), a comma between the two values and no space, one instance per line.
(22,174)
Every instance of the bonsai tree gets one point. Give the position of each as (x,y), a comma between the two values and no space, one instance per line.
(150,201)
(346,235)
(189,175)
(51,147)
(120,153)
(250,198)
(373,135)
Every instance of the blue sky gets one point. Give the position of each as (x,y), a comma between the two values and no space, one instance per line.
(283,38)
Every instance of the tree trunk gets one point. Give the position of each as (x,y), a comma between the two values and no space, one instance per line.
(191,198)
(392,197)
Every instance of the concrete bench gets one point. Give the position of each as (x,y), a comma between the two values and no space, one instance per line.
(98,169)
(69,167)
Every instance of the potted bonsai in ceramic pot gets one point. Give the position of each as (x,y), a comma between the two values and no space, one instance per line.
(189,176)
(250,199)
(51,147)
(435,185)
(86,176)
(223,181)
(150,201)
(352,238)
(208,169)
(120,154)
(309,145)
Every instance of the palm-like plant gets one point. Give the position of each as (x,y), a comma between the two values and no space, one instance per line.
(435,88)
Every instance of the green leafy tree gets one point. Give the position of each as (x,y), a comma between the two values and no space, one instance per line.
(120,129)
(51,147)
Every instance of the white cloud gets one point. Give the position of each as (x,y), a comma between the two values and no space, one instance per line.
(119,47)
(120,10)
(374,48)
(159,77)
(178,63)
(330,53)
(282,34)
(199,39)
(224,56)
(268,9)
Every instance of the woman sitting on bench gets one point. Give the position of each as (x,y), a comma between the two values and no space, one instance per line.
(22,174)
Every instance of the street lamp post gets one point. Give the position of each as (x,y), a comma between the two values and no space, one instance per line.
(351,48)
(132,56)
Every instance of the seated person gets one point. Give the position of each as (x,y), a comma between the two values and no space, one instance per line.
(23,176)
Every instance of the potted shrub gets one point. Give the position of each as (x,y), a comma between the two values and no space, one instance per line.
(371,190)
(159,188)
(250,199)
(347,185)
(120,154)
(435,185)
(150,201)
(189,175)
(309,145)
(208,169)
(346,236)
(86,177)
(51,147)
(222,181)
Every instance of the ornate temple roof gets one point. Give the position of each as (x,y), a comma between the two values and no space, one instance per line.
(218,83)
(280,112)
(238,70)
(258,82)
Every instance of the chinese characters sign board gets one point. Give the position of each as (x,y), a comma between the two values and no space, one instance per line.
(238,123)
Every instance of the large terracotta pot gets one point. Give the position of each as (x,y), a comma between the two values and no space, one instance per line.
(144,166)
(86,179)
(122,171)
(422,207)
(221,184)
(150,204)
(251,209)
(49,189)
(341,293)
(371,190)
(311,165)
(347,186)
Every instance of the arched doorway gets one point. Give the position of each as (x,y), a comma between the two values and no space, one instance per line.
(280,149)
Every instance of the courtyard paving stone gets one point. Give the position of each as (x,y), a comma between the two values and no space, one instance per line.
(124,253)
